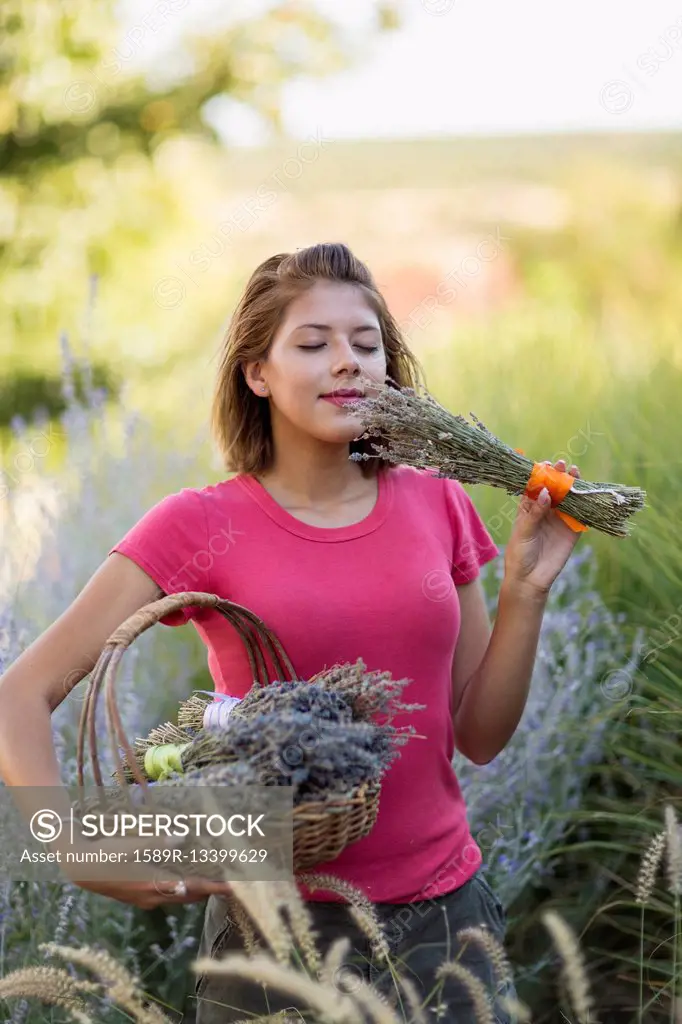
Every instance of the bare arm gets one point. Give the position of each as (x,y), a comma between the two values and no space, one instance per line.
(43,675)
(494,697)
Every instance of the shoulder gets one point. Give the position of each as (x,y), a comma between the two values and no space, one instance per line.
(409,477)
(185,505)
(425,482)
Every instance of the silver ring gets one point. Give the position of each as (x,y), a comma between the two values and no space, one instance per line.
(180,888)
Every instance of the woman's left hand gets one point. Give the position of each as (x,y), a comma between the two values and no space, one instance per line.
(540,543)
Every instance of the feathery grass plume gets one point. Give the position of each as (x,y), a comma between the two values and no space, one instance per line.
(479,997)
(371,927)
(375,1003)
(362,909)
(334,960)
(261,900)
(573,973)
(422,433)
(650,863)
(646,879)
(518,1010)
(245,926)
(50,985)
(300,923)
(494,951)
(412,1000)
(122,987)
(673,851)
(333,1005)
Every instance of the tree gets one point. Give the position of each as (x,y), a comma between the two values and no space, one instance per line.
(81,126)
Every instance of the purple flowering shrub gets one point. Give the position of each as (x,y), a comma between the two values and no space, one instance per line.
(57,528)
(520,803)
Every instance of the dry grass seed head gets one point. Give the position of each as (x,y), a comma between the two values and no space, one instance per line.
(375,1003)
(243,922)
(122,987)
(474,986)
(574,974)
(370,926)
(50,985)
(362,910)
(261,900)
(334,960)
(515,1008)
(493,949)
(301,926)
(412,999)
(650,863)
(329,1002)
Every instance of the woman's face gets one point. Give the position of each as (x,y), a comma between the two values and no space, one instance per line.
(329,339)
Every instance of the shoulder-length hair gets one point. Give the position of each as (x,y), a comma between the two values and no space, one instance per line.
(240,421)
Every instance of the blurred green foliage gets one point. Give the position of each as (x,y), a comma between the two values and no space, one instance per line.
(29,392)
(89,178)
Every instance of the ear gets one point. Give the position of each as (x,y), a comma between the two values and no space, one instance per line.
(251,373)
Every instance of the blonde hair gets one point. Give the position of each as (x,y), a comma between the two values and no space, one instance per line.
(240,421)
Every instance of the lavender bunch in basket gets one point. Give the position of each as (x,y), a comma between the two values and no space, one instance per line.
(416,430)
(315,755)
(361,693)
(344,695)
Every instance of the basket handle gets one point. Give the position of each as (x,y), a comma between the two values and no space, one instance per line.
(249,626)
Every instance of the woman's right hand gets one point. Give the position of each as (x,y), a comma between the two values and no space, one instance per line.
(146,887)
(148,895)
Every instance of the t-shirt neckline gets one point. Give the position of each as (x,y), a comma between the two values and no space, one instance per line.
(288,522)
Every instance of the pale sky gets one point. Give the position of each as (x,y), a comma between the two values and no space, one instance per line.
(470,66)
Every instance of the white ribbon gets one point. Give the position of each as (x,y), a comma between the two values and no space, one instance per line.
(217,714)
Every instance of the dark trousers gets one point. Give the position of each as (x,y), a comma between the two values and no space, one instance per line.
(420,936)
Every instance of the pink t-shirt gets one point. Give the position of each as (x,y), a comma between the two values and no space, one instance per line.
(383,590)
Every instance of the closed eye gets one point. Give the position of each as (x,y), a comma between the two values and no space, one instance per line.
(314,348)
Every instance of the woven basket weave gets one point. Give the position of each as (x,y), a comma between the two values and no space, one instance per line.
(322,829)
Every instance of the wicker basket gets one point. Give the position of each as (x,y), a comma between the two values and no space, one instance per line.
(322,829)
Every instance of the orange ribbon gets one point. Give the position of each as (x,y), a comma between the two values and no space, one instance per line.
(557,483)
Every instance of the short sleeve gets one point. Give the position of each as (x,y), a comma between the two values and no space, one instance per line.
(472,544)
(169,543)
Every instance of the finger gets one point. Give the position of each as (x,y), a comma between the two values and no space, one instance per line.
(197,889)
(205,888)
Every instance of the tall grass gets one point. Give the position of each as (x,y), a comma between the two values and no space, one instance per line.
(320,986)
(520,805)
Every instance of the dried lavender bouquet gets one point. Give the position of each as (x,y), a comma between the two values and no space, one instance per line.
(314,755)
(344,694)
(367,692)
(416,430)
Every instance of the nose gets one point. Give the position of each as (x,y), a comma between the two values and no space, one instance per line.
(347,362)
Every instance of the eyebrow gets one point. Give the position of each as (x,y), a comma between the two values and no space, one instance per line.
(327,327)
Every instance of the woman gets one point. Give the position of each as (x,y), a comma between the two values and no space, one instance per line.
(341,559)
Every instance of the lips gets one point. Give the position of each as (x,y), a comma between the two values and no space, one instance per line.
(344,393)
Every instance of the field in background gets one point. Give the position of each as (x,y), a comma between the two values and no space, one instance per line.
(538,279)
